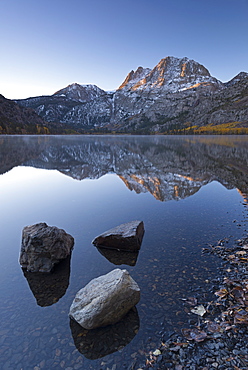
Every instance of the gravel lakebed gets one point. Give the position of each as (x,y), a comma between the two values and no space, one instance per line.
(218,337)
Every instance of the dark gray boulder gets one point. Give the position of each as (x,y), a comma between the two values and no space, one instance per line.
(105,300)
(44,246)
(126,237)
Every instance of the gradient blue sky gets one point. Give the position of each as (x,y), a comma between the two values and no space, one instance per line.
(48,44)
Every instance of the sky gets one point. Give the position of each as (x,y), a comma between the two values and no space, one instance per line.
(48,44)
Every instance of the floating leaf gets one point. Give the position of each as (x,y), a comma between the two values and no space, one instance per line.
(222,293)
(241,317)
(192,301)
(213,327)
(194,334)
(157,352)
(199,310)
(225,325)
(184,344)
(241,253)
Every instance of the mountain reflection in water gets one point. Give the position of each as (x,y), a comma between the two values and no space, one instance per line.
(167,167)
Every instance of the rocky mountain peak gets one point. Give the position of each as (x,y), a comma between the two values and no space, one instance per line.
(237,79)
(80,93)
(170,74)
(134,76)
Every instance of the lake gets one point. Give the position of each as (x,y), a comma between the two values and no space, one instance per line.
(190,192)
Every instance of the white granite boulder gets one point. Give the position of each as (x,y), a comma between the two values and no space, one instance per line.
(43,246)
(105,300)
(126,237)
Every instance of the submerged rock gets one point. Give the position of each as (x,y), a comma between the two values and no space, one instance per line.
(123,237)
(105,300)
(43,246)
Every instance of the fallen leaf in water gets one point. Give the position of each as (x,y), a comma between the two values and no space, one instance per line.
(241,317)
(213,327)
(192,301)
(149,363)
(157,352)
(241,253)
(184,344)
(222,293)
(225,325)
(194,334)
(199,310)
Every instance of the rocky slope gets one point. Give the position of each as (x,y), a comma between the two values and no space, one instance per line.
(76,105)
(17,119)
(177,92)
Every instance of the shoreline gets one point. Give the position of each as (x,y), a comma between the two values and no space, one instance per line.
(219,340)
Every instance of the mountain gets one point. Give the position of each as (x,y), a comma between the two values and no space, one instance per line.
(170,75)
(178,95)
(81,93)
(17,119)
(75,105)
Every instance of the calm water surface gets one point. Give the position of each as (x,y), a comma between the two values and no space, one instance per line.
(189,191)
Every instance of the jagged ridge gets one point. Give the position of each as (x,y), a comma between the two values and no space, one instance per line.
(177,92)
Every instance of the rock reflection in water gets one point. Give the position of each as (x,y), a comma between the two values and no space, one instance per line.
(119,257)
(97,343)
(48,288)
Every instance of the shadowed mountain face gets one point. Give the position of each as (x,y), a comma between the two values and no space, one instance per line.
(167,167)
(16,119)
